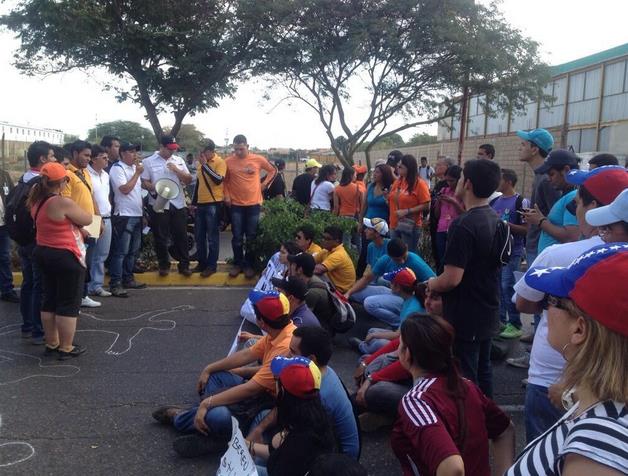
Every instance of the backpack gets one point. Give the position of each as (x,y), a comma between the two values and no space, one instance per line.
(343,317)
(501,248)
(20,224)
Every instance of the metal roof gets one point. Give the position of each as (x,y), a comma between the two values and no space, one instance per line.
(590,60)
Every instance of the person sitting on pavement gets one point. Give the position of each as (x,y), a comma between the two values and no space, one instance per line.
(375,232)
(304,237)
(305,430)
(403,283)
(302,266)
(381,380)
(335,263)
(378,300)
(587,308)
(277,267)
(445,421)
(336,464)
(225,387)
(316,344)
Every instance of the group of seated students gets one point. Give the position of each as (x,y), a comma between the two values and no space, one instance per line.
(296,413)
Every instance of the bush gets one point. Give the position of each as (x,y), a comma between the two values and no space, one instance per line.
(279,221)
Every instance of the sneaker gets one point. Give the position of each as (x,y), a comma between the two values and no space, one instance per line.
(75,352)
(370,421)
(49,351)
(133,285)
(185,272)
(511,332)
(100,292)
(206,273)
(192,446)
(164,272)
(39,340)
(11,296)
(249,273)
(528,338)
(165,415)
(522,362)
(89,302)
(234,271)
(119,292)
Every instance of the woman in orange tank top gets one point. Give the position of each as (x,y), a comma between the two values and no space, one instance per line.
(60,253)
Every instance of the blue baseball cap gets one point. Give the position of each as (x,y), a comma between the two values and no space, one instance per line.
(539,137)
(595,281)
(559,158)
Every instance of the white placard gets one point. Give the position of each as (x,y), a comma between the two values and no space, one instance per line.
(237,461)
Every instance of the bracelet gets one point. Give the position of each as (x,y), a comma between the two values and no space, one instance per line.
(252,448)
(541,221)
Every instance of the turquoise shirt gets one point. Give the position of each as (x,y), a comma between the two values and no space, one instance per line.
(559,216)
(374,252)
(410,306)
(421,269)
(376,207)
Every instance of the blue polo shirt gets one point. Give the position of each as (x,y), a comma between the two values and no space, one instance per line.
(374,252)
(421,269)
(559,216)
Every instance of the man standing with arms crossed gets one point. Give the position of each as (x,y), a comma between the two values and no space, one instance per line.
(243,194)
(126,220)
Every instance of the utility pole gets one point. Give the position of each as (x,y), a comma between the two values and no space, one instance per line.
(463,122)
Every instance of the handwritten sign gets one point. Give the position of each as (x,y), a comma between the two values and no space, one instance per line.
(237,460)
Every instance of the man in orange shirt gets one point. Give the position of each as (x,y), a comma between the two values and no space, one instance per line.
(243,194)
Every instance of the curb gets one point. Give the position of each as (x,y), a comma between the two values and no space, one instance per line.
(152,278)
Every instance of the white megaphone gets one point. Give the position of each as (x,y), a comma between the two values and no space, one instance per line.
(166,189)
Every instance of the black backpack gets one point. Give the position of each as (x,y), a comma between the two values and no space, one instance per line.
(343,317)
(20,224)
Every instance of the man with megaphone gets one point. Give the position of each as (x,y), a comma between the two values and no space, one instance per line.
(164,176)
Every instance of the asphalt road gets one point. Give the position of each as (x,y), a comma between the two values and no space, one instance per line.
(91,415)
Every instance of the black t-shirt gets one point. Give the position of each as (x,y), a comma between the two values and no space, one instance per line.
(277,188)
(296,454)
(472,307)
(301,188)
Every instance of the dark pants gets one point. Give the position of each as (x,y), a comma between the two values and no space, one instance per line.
(30,292)
(475,362)
(362,259)
(6,277)
(441,246)
(384,397)
(171,223)
(90,246)
(540,414)
(207,229)
(126,240)
(244,221)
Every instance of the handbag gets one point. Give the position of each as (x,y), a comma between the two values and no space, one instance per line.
(406,224)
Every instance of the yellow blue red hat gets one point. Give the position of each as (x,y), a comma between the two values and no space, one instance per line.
(299,376)
(270,304)
(402,277)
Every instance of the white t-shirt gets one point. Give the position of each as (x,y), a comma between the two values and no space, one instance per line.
(546,364)
(321,195)
(129,204)
(155,169)
(100,186)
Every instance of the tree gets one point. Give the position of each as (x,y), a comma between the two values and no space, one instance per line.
(422,139)
(398,63)
(190,138)
(129,131)
(168,56)
(389,142)
(67,138)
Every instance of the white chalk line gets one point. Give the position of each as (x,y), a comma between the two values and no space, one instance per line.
(9,329)
(29,447)
(39,364)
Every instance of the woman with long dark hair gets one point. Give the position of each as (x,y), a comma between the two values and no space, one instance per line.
(322,189)
(408,198)
(447,207)
(305,431)
(445,421)
(347,195)
(60,253)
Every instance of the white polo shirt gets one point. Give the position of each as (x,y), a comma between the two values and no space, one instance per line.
(129,204)
(100,191)
(155,169)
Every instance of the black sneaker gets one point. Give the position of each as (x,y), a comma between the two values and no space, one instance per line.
(165,415)
(119,292)
(192,446)
(75,352)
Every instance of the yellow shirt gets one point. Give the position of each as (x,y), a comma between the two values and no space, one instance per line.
(314,249)
(266,349)
(219,166)
(77,191)
(340,269)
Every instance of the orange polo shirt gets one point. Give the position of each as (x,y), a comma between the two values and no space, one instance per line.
(77,191)
(266,349)
(242,183)
(407,199)
(350,198)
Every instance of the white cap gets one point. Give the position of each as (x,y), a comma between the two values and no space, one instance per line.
(377,224)
(616,211)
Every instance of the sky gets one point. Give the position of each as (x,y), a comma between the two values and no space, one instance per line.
(75,101)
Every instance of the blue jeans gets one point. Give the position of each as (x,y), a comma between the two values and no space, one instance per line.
(475,362)
(370,290)
(217,419)
(126,240)
(374,344)
(99,255)
(441,246)
(539,412)
(507,309)
(207,230)
(410,239)
(385,307)
(244,222)
(6,277)
(530,257)
(30,292)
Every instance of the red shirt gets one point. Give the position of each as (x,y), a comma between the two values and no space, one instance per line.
(427,427)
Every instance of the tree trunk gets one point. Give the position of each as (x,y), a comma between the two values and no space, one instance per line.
(151,110)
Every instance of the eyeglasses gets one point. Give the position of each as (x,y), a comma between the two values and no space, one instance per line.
(554,301)
(299,237)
